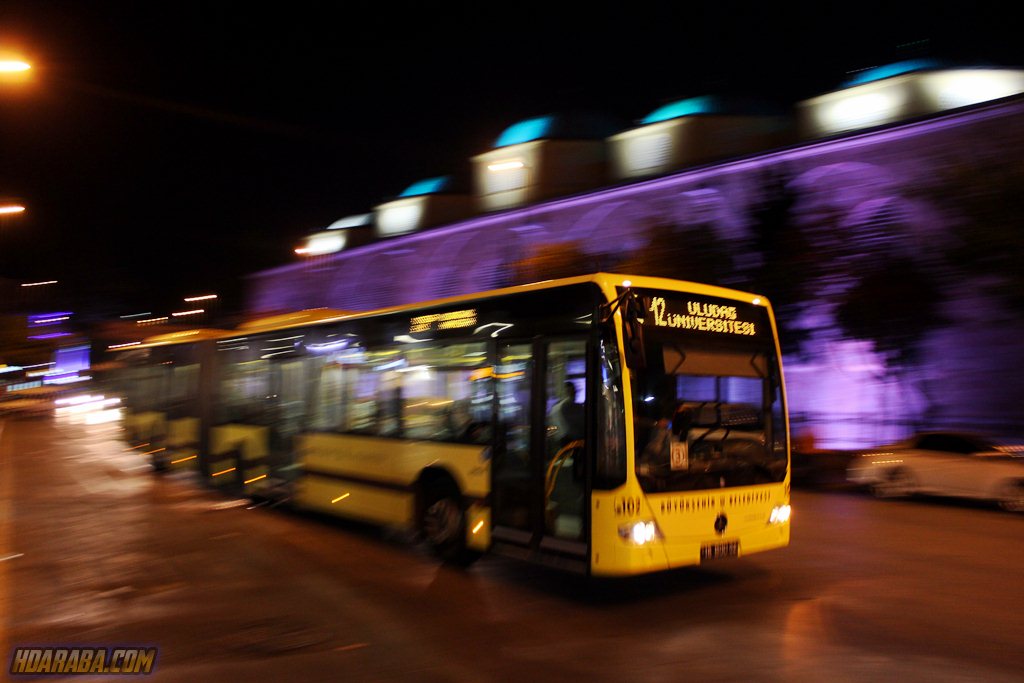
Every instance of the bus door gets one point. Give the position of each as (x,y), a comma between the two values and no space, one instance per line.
(539,471)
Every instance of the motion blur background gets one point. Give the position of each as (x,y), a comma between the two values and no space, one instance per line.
(170,150)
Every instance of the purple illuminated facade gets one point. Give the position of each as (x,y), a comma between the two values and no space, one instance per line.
(890,325)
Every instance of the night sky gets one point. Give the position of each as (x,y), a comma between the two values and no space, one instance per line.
(166,149)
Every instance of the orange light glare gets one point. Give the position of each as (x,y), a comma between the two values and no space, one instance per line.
(8,209)
(204,297)
(13,66)
(194,311)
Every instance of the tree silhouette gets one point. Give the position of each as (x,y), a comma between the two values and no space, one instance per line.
(692,253)
(894,306)
(553,261)
(787,262)
(985,199)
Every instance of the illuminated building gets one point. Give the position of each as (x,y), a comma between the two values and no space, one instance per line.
(867,186)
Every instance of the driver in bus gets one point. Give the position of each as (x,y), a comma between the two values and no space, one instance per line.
(675,419)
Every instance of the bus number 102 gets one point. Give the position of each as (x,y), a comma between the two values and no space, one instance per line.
(628,505)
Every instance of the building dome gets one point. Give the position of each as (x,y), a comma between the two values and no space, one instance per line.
(569,126)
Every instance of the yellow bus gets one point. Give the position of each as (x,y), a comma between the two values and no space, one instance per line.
(606,424)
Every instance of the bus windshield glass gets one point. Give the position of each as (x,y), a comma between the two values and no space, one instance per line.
(708,409)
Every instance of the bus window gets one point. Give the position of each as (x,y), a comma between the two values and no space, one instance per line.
(244,388)
(440,401)
(708,419)
(610,461)
(330,398)
(144,388)
(361,410)
(566,392)
(287,403)
(511,473)
(564,481)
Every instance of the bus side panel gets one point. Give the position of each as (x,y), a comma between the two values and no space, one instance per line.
(145,427)
(391,466)
(238,445)
(183,443)
(358,501)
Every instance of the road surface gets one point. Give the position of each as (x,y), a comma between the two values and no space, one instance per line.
(96,550)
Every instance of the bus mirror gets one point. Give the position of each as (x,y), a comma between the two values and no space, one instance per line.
(633,332)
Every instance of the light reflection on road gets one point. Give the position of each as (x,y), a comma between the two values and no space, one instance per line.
(113,553)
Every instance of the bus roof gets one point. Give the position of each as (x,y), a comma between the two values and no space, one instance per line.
(180,337)
(606,281)
(298,318)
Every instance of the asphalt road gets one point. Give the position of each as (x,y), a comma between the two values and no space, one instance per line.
(96,550)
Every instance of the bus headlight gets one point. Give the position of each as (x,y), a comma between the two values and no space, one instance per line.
(780,514)
(640,533)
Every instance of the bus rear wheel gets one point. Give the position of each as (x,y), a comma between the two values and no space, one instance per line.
(444,525)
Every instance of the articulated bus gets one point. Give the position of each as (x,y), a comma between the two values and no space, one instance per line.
(607,424)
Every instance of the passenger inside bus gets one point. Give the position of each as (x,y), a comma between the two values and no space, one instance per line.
(567,417)
(658,443)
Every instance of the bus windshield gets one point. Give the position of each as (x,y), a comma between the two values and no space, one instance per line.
(708,417)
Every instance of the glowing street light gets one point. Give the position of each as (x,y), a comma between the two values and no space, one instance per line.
(13,70)
(13,66)
(8,209)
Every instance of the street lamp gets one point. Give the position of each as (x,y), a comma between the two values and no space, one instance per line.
(8,209)
(14,70)
(13,66)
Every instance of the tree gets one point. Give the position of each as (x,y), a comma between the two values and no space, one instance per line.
(894,306)
(553,261)
(691,253)
(984,197)
(787,262)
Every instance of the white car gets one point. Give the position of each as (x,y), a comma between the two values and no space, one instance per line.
(944,464)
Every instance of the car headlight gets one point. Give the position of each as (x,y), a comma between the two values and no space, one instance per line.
(640,533)
(780,514)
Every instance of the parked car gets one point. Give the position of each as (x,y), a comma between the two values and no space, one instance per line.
(945,464)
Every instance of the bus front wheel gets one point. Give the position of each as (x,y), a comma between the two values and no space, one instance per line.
(444,524)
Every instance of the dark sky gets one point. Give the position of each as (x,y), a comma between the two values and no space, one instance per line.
(168,148)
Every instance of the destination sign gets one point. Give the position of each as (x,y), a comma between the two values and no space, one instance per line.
(443,321)
(700,315)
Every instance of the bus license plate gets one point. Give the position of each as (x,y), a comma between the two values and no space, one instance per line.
(715,551)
